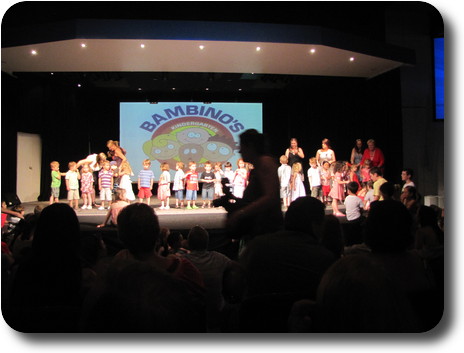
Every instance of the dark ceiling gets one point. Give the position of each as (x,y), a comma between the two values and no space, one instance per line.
(366,19)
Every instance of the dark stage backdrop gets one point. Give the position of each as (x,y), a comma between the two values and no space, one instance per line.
(75,122)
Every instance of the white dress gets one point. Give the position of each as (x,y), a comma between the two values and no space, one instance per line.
(298,188)
(126,183)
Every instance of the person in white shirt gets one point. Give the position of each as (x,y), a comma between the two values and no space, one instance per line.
(314,178)
(284,172)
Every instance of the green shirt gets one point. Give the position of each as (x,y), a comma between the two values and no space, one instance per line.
(56,179)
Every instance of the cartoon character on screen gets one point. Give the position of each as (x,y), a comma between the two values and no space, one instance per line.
(163,147)
(194,135)
(219,148)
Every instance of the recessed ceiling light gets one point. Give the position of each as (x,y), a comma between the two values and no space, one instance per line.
(201,47)
(312,51)
(139,89)
(79,85)
(352,59)
(142,45)
(34,52)
(207,89)
(173,88)
(83,45)
(258,48)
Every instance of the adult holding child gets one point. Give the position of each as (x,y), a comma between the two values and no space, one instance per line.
(294,153)
(325,153)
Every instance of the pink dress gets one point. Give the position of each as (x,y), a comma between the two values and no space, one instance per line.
(338,190)
(87,183)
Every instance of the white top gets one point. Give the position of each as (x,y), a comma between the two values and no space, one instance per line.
(353,205)
(411,183)
(314,177)
(284,172)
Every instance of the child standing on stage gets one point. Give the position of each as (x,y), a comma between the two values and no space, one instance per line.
(87,189)
(326,179)
(284,172)
(208,180)
(105,184)
(229,174)
(353,175)
(178,185)
(125,172)
(191,185)
(240,179)
(72,185)
(338,187)
(218,175)
(145,182)
(164,192)
(314,178)
(56,182)
(296,182)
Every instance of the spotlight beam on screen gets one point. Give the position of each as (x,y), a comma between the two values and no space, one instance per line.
(174,132)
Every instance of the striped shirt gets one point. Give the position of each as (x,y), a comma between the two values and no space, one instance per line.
(106,177)
(145,178)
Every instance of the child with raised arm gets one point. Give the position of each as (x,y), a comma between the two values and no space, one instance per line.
(191,186)
(178,184)
(314,178)
(284,173)
(164,192)
(87,189)
(56,182)
(72,185)
(105,185)
(145,182)
(208,180)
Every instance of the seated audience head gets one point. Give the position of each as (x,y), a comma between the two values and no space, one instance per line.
(387,190)
(175,240)
(389,227)
(356,294)
(57,231)
(139,229)
(198,238)
(303,214)
(332,235)
(407,174)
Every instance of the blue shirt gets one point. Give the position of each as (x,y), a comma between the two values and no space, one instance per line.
(145,177)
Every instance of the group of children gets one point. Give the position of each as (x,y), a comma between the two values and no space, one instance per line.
(111,179)
(330,183)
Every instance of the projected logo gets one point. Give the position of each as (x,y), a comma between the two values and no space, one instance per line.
(191,139)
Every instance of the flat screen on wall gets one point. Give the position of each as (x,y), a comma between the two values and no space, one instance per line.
(185,131)
(439,62)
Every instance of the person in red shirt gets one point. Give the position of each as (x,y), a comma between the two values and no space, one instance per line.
(191,186)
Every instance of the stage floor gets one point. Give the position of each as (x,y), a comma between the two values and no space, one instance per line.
(174,218)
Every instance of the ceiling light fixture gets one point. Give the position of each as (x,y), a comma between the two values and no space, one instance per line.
(34,52)
(83,45)
(142,45)
(352,59)
(312,51)
(201,47)
(258,48)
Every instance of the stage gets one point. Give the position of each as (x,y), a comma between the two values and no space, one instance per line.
(213,219)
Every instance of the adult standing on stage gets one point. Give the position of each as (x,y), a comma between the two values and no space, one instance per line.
(357,153)
(325,153)
(116,152)
(375,154)
(294,153)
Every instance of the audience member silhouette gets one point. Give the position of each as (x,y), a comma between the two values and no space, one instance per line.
(214,268)
(138,297)
(356,294)
(284,266)
(389,235)
(46,288)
